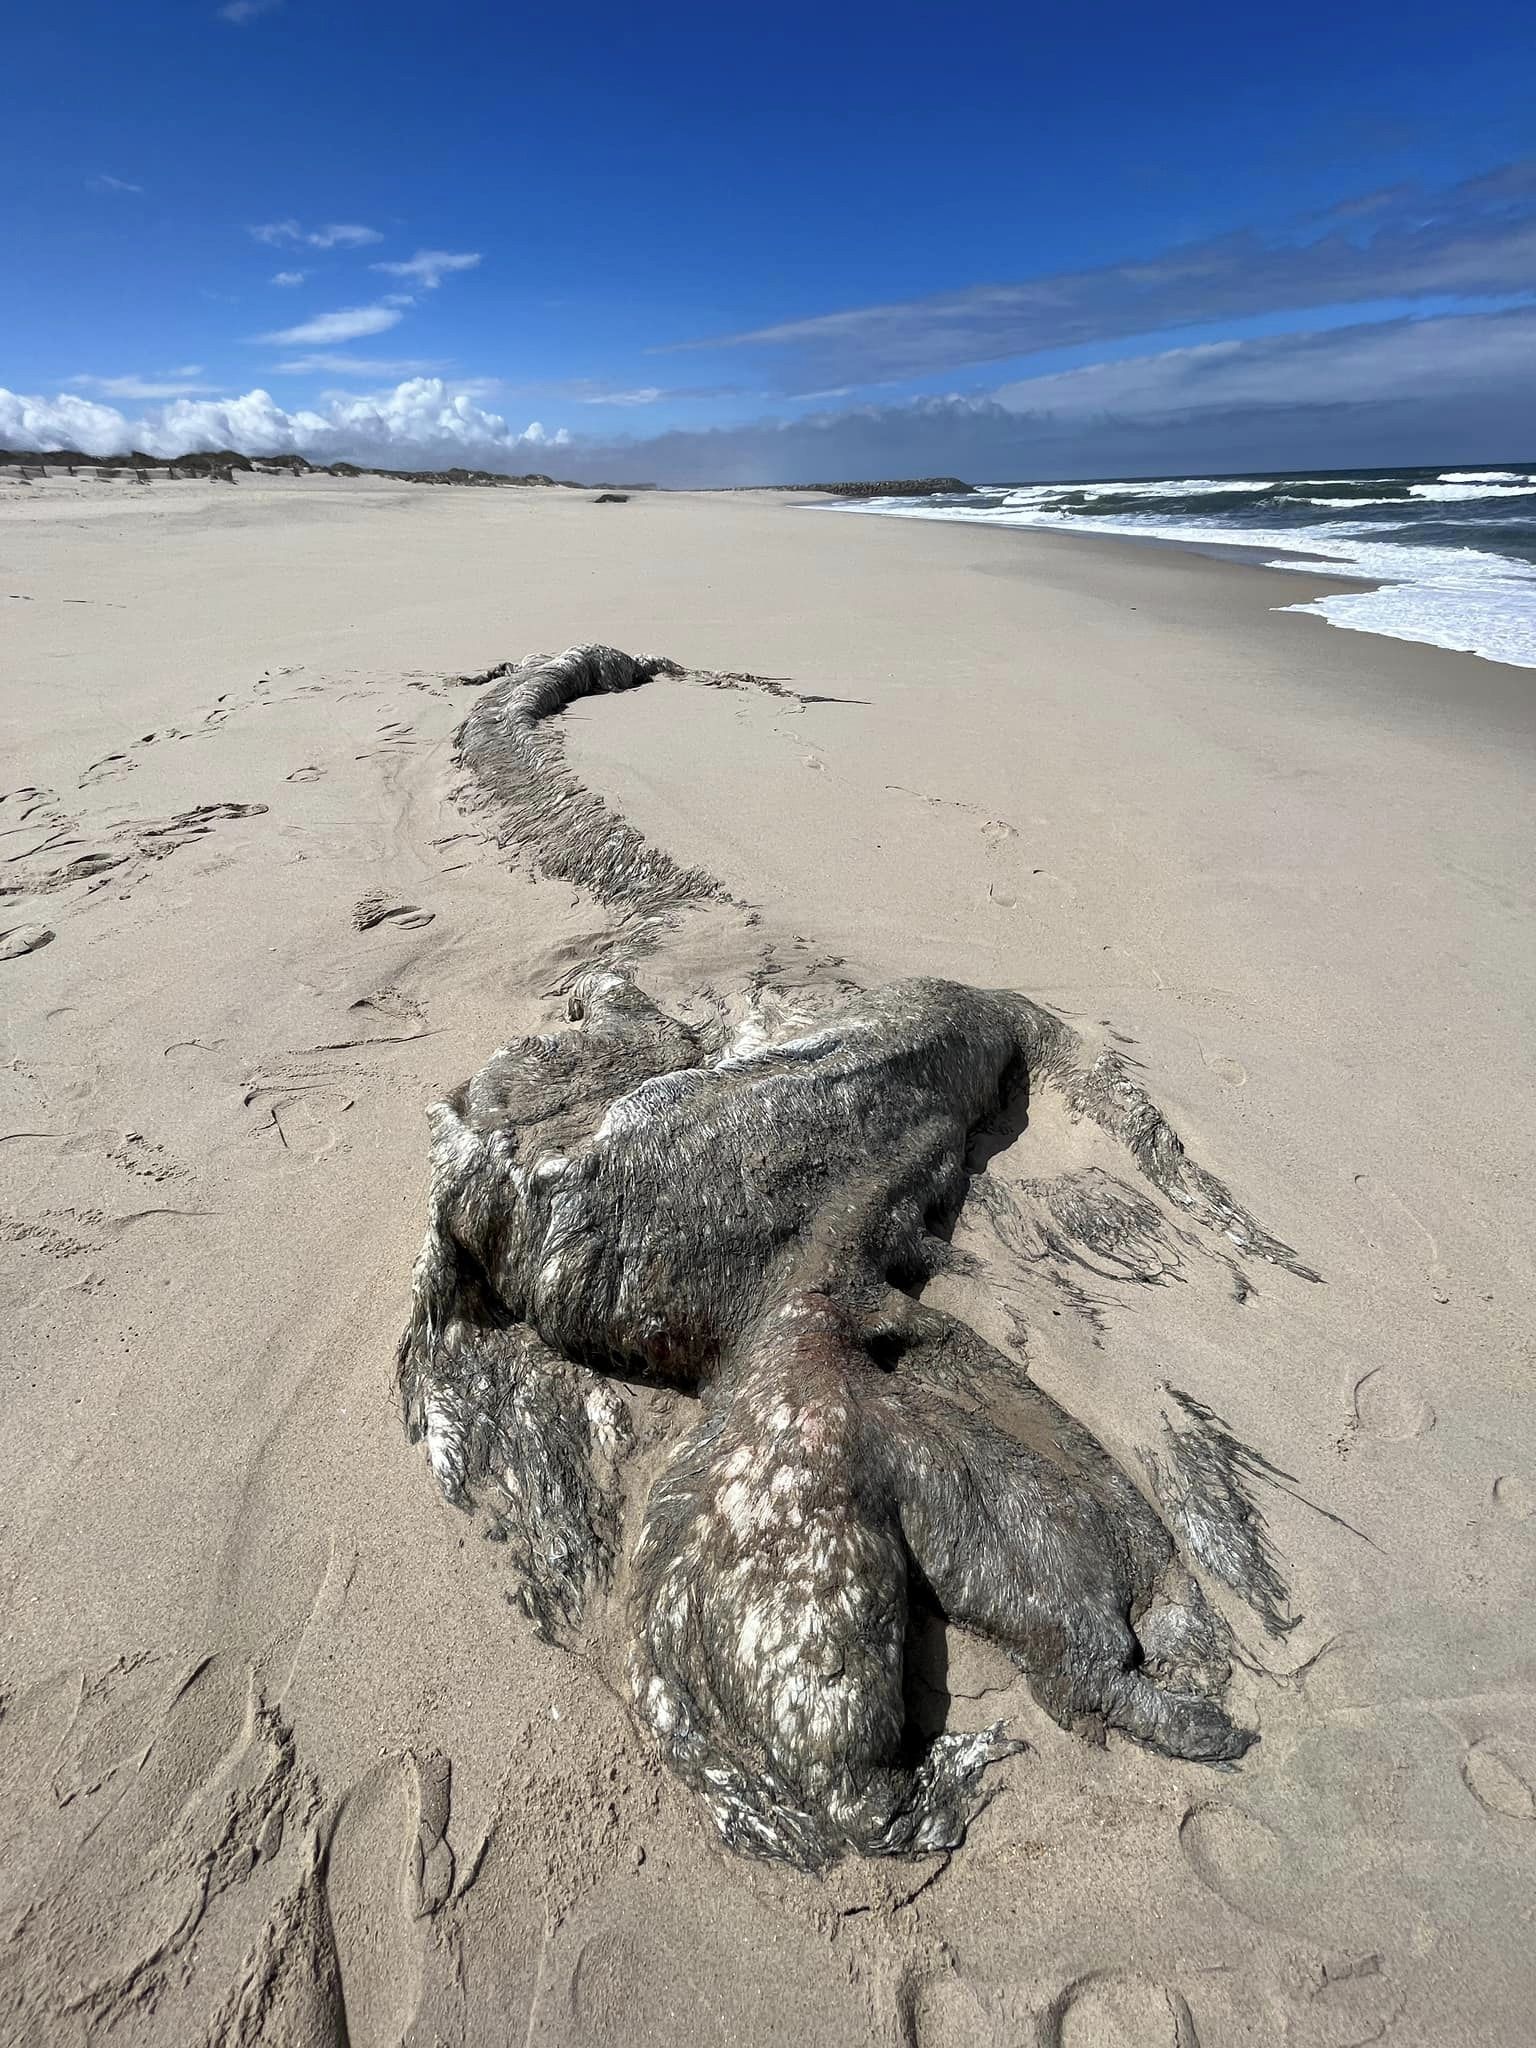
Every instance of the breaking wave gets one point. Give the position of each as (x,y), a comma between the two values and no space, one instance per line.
(1451,553)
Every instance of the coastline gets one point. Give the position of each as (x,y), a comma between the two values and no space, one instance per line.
(1288,866)
(1468,590)
(1478,681)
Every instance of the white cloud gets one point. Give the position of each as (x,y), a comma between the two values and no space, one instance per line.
(646,395)
(351,323)
(63,422)
(104,183)
(344,235)
(422,423)
(1398,360)
(175,384)
(358,366)
(428,267)
(594,391)
(242,11)
(1476,239)
(289,277)
(1456,391)
(338,235)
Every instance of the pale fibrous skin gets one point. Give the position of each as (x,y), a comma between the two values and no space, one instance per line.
(752,1221)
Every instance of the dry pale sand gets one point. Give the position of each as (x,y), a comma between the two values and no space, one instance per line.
(278,1762)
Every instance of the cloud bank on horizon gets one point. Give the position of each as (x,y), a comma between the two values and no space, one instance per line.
(1475,240)
(1345,398)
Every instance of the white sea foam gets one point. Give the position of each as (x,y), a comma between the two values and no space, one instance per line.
(1466,490)
(1347,503)
(1467,600)
(1440,493)
(1485,476)
(1165,487)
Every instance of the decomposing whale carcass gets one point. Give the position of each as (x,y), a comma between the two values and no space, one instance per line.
(751,1218)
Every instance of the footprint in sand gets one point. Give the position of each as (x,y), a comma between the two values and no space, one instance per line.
(38,1721)
(288,1987)
(1499,1776)
(646,1963)
(386,1006)
(133,1153)
(1354,2003)
(1406,1231)
(1245,1863)
(40,1233)
(1310,1887)
(130,845)
(427,1878)
(304,1120)
(1388,1404)
(1118,2009)
(1511,1496)
(1224,1067)
(183,1786)
(600,1994)
(946,2012)
(306,774)
(372,1893)
(1050,880)
(108,1732)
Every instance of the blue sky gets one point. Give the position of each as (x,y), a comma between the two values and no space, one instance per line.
(709,245)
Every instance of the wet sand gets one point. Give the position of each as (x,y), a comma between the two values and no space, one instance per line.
(278,1761)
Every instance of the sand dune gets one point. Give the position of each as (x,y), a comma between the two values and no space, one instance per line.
(279,1759)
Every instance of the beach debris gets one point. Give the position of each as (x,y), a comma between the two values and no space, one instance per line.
(375,908)
(123,857)
(516,761)
(1204,1486)
(747,1216)
(743,1222)
(24,938)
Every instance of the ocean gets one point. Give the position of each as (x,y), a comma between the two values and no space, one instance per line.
(1451,551)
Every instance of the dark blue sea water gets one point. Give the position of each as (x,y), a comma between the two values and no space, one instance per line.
(1452,552)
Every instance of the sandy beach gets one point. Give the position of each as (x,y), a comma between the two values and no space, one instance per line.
(280,1761)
